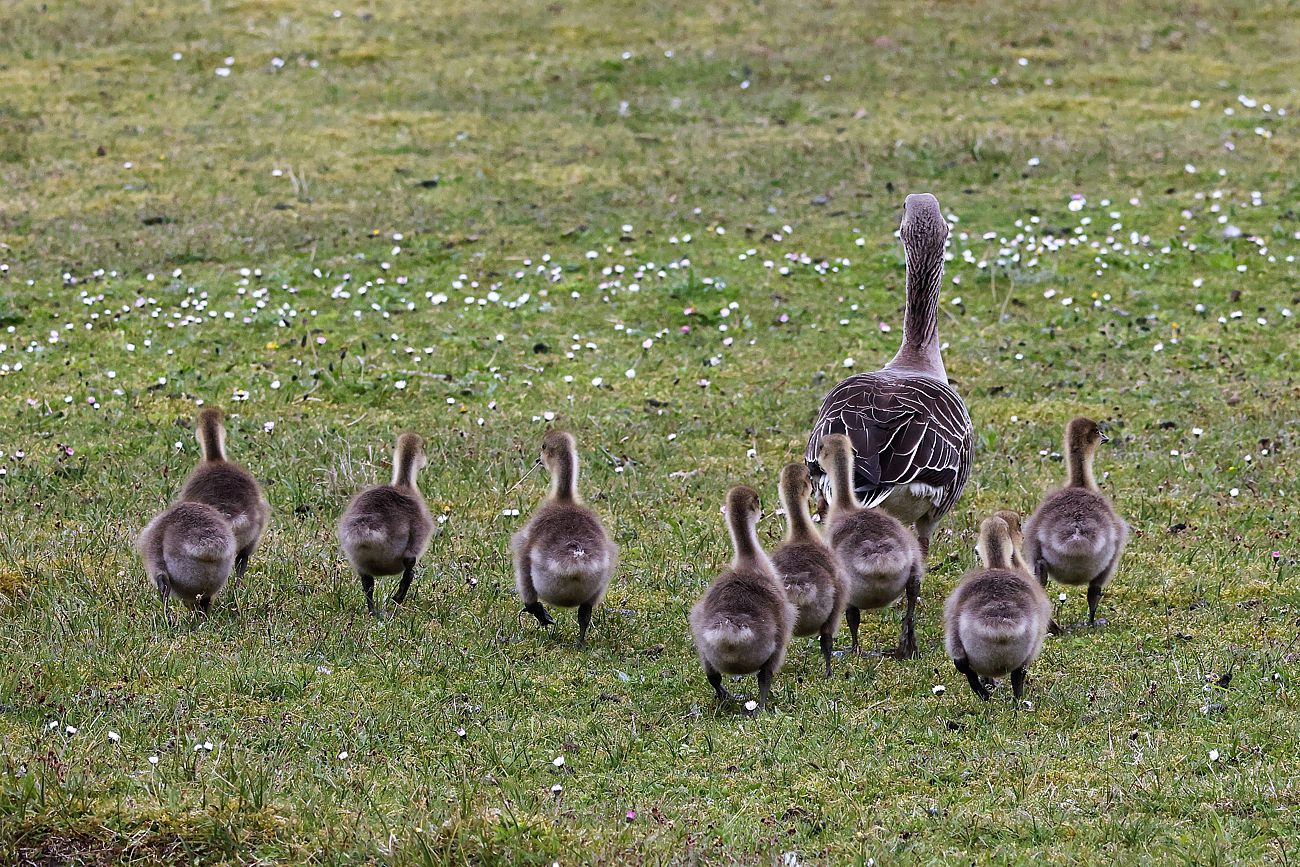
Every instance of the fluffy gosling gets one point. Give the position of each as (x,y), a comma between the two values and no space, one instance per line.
(743,622)
(996,619)
(806,565)
(227,487)
(188,552)
(563,555)
(386,528)
(1075,535)
(881,560)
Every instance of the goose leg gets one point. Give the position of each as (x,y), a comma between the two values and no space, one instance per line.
(963,666)
(241,562)
(1094,597)
(1040,572)
(853,615)
(539,611)
(715,681)
(368,585)
(907,640)
(1018,682)
(764,685)
(408,574)
(584,620)
(203,605)
(163,582)
(828,643)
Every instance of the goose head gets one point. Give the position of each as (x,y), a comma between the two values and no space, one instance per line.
(923,230)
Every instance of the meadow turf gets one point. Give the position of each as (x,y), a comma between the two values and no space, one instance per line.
(669,229)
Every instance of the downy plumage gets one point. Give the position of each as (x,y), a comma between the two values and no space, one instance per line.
(188,552)
(1075,535)
(879,557)
(227,487)
(996,619)
(386,529)
(742,624)
(807,567)
(563,555)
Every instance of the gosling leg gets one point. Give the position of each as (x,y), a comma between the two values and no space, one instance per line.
(368,585)
(853,615)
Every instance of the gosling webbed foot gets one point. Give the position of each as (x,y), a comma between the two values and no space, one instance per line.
(543,616)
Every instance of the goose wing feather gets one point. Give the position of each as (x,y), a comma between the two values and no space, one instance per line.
(903,430)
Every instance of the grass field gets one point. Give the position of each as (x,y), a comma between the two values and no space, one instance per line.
(669,229)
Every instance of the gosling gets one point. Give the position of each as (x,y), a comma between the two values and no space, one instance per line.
(188,552)
(1076,536)
(386,528)
(228,488)
(743,622)
(807,567)
(563,555)
(1015,524)
(996,619)
(881,560)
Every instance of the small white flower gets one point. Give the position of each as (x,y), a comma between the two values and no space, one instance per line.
(556,789)
(558,761)
(72,730)
(114,737)
(343,755)
(938,689)
(1214,755)
(630,373)
(153,760)
(1062,597)
(849,362)
(400,384)
(1234,492)
(751,705)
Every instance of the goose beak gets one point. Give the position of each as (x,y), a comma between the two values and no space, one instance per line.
(1104,437)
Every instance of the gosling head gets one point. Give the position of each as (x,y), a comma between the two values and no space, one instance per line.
(743,505)
(923,230)
(1013,521)
(1084,434)
(558,448)
(410,449)
(834,450)
(995,546)
(796,483)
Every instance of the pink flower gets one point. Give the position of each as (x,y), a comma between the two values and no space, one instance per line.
(631,815)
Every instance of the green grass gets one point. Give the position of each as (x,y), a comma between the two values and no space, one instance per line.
(548,127)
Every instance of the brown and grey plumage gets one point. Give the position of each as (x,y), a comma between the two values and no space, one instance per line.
(188,552)
(743,622)
(807,567)
(880,559)
(385,529)
(227,487)
(563,555)
(996,619)
(911,434)
(1075,535)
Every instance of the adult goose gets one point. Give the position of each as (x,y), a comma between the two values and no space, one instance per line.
(911,434)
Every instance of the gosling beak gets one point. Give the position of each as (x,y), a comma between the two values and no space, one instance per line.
(1103,436)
